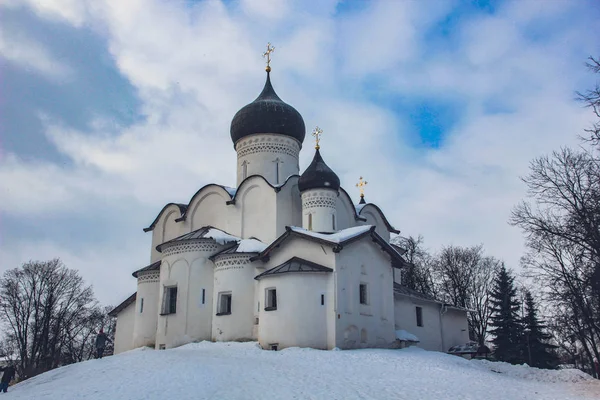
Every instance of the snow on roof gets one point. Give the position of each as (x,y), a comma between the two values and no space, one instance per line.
(220,237)
(401,334)
(250,246)
(337,237)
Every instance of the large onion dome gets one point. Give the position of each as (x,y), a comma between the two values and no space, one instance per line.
(267,114)
(318,176)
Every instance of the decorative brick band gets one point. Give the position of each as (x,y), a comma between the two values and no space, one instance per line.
(268,144)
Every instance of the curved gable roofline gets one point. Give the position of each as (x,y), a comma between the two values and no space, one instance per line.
(184,215)
(356,216)
(182,210)
(276,188)
(385,221)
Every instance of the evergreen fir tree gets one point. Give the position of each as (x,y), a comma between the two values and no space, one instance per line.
(506,327)
(538,352)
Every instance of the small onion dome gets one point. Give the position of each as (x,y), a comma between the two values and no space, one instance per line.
(318,176)
(267,114)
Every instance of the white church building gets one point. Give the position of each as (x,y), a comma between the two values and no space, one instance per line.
(283,259)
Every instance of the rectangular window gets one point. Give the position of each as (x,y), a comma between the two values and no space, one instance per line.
(203,296)
(271,299)
(141,305)
(169,300)
(363,293)
(224,304)
(333,221)
(310,222)
(322,299)
(419,316)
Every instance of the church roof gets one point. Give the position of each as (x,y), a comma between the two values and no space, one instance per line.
(152,267)
(267,114)
(123,305)
(360,207)
(182,210)
(318,176)
(206,232)
(243,246)
(294,264)
(336,240)
(405,291)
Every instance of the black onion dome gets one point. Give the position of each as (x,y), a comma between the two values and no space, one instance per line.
(267,114)
(318,176)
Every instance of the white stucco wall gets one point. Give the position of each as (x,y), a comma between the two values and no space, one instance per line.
(299,320)
(295,287)
(165,229)
(364,262)
(289,206)
(320,205)
(187,266)
(455,328)
(430,337)
(374,218)
(209,208)
(144,331)
(344,211)
(235,274)
(260,152)
(124,329)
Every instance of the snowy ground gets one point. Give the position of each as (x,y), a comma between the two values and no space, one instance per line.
(243,371)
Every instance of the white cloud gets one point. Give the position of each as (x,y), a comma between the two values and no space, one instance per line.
(195,65)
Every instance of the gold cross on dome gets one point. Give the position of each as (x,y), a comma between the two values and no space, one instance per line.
(267,54)
(361,186)
(317,132)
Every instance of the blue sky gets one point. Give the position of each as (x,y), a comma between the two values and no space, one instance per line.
(110,110)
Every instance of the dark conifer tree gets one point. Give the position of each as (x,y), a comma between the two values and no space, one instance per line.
(538,352)
(507,330)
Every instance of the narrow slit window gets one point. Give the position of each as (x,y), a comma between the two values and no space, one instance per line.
(333,221)
(363,293)
(310,222)
(141,305)
(203,296)
(322,299)
(419,311)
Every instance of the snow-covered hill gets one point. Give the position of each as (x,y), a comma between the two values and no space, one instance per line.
(243,371)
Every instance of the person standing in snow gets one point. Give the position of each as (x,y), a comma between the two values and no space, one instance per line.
(9,374)
(101,339)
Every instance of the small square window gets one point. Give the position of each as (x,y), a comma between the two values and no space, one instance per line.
(419,316)
(271,299)
(169,300)
(224,304)
(162,347)
(274,346)
(363,294)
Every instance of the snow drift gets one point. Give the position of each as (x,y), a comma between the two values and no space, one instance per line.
(243,371)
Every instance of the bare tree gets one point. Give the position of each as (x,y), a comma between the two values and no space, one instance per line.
(591,98)
(42,303)
(464,277)
(418,276)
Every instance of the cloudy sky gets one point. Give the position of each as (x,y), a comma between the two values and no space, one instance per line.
(110,109)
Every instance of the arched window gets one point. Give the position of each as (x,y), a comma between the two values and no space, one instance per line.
(310,222)
(244,169)
(277,161)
